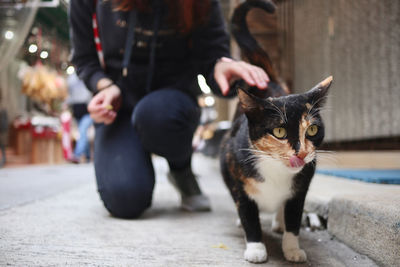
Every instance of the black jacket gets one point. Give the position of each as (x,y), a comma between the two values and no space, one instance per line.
(178,58)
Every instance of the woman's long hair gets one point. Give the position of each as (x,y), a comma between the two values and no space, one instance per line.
(184,15)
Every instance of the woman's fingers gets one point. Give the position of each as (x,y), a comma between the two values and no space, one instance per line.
(95,108)
(95,103)
(109,117)
(245,72)
(107,102)
(258,76)
(222,81)
(100,107)
(104,116)
(225,72)
(98,116)
(262,75)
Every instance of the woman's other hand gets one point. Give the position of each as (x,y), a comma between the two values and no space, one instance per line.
(104,106)
(227,70)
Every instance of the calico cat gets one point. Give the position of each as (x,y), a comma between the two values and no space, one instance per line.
(268,158)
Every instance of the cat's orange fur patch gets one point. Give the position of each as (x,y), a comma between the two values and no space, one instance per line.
(271,145)
(306,146)
(232,165)
(250,186)
(274,146)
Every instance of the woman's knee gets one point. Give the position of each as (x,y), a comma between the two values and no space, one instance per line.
(126,202)
(165,121)
(168,110)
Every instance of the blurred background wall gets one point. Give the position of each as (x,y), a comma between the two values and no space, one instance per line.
(356,41)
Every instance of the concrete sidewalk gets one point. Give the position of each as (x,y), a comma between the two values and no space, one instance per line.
(63,222)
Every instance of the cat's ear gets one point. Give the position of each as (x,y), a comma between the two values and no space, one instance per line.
(317,95)
(248,102)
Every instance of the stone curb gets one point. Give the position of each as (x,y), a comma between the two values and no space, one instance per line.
(369,224)
(364,216)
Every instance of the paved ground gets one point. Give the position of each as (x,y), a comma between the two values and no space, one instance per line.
(52,215)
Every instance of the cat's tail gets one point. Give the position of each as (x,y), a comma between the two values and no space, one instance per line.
(249,47)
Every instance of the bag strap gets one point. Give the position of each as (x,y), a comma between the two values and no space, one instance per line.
(96,36)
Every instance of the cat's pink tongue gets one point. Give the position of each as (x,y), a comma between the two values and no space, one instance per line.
(296,162)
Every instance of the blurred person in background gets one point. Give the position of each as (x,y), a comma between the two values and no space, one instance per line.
(145,92)
(78,99)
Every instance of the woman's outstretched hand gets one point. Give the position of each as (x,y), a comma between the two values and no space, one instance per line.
(227,70)
(104,106)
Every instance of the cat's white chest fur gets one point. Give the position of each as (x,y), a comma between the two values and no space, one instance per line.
(276,187)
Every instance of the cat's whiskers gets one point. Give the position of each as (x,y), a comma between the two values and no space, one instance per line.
(256,155)
(310,157)
(281,114)
(250,159)
(284,110)
(319,100)
(313,104)
(312,114)
(326,151)
(328,158)
(255,151)
(278,115)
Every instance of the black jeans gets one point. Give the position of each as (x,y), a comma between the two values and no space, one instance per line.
(163,122)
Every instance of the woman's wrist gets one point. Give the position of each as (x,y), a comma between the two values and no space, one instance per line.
(225,59)
(104,83)
(112,90)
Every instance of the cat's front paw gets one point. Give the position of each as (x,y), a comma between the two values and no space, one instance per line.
(255,252)
(295,255)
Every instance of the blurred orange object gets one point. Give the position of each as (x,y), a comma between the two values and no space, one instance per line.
(43,85)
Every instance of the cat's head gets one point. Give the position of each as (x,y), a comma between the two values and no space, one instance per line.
(287,128)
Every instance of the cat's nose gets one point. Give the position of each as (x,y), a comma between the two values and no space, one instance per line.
(297,146)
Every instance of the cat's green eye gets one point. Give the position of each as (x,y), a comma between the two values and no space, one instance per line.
(279,132)
(312,130)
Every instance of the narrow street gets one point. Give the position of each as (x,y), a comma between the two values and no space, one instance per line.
(164,77)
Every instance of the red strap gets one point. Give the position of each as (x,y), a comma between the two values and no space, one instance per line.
(96,36)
